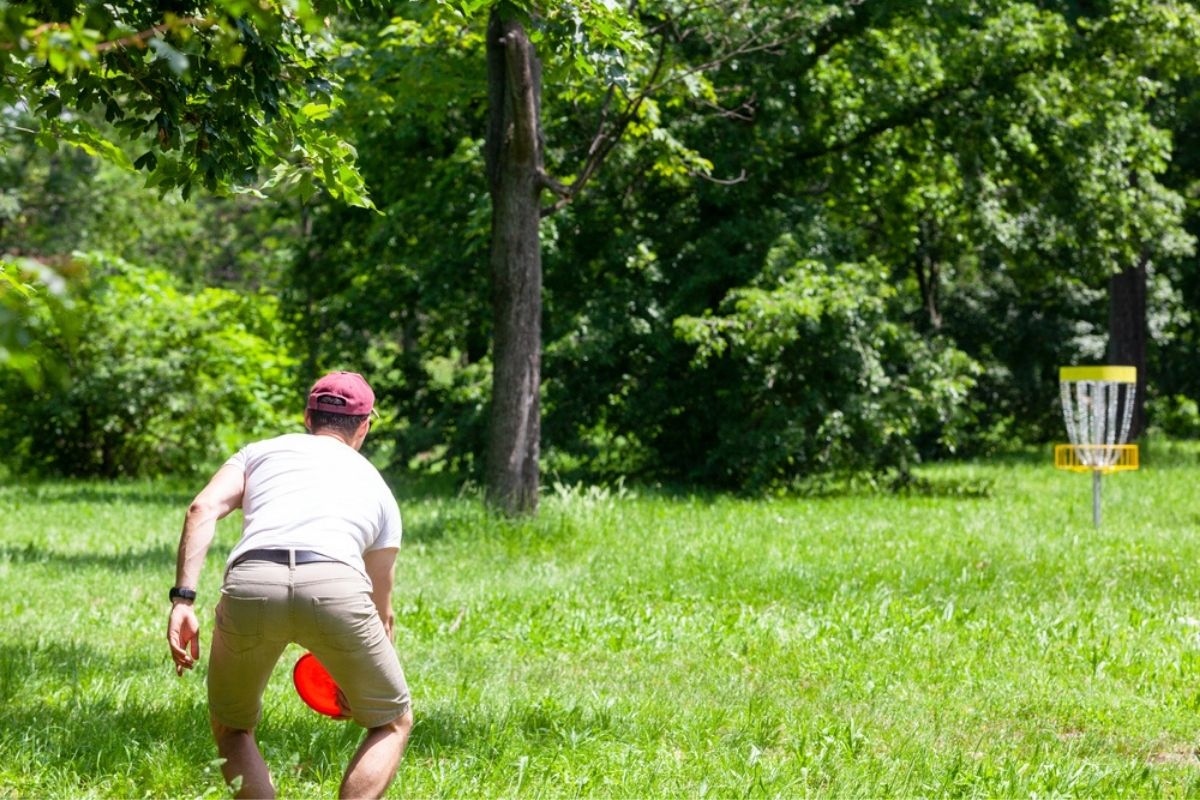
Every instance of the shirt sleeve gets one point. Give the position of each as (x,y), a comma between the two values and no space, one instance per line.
(239,459)
(390,527)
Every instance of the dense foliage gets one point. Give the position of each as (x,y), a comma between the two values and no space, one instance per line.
(818,373)
(140,377)
(828,237)
(208,93)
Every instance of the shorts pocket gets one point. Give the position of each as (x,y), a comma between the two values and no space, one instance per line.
(347,622)
(239,621)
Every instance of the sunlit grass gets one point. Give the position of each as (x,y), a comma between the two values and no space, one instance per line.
(629,645)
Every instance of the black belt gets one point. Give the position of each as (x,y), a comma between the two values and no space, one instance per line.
(282,557)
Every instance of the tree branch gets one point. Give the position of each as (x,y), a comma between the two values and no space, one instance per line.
(769,39)
(556,186)
(741,178)
(604,141)
(138,39)
(744,112)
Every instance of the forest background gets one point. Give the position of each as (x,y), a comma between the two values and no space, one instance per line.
(789,245)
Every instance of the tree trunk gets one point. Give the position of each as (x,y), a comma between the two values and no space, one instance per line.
(312,327)
(1127,332)
(928,274)
(514,165)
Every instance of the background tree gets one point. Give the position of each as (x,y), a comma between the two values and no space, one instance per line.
(596,48)
(778,242)
(588,35)
(948,144)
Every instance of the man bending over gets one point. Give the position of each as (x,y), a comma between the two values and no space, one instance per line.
(315,565)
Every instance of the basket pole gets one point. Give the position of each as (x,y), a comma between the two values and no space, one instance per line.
(1096,498)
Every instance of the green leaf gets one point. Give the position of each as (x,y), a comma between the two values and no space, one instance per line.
(316,111)
(83,136)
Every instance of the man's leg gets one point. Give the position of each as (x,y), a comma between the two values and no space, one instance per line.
(242,758)
(249,634)
(374,765)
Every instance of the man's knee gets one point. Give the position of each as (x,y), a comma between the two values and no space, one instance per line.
(224,733)
(401,724)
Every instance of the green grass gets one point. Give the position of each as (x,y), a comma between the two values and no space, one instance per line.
(944,643)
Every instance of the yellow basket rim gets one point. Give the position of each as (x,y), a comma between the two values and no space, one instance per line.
(1098,373)
(1126,461)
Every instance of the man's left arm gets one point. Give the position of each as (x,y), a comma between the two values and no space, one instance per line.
(222,495)
(381,569)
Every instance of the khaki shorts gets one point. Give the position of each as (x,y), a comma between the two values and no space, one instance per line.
(324,607)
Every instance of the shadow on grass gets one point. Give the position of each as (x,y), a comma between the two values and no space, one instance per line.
(64,664)
(893,484)
(1025,455)
(417,486)
(968,489)
(447,727)
(158,557)
(1157,453)
(57,721)
(98,746)
(429,529)
(171,493)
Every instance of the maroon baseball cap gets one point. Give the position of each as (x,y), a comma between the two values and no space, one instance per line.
(342,393)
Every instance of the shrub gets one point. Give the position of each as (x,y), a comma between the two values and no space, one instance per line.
(818,377)
(1177,416)
(140,377)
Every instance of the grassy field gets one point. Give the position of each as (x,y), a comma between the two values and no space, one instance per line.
(978,638)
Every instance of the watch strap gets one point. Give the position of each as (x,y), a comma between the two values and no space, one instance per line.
(180,593)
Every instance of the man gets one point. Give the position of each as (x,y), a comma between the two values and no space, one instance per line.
(315,566)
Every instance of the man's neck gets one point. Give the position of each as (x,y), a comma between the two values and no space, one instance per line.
(334,435)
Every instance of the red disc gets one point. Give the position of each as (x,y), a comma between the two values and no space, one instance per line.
(316,686)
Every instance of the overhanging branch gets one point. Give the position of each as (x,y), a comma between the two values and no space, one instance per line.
(769,39)
(138,39)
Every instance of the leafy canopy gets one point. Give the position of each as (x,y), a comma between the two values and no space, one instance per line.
(209,96)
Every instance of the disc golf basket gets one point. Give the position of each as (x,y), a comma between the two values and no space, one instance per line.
(1097,405)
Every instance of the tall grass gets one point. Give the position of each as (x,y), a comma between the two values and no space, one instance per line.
(945,642)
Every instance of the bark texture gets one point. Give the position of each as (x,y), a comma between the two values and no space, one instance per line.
(1127,332)
(514,163)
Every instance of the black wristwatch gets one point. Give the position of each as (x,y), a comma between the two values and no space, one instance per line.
(181,593)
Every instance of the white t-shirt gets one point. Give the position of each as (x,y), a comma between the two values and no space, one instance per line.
(314,493)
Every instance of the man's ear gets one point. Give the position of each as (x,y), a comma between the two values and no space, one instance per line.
(308,420)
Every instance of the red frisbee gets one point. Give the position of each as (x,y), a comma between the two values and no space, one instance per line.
(317,688)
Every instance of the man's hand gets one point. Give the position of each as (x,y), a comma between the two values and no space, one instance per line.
(183,636)
(389,624)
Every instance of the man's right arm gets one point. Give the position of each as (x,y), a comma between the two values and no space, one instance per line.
(222,495)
